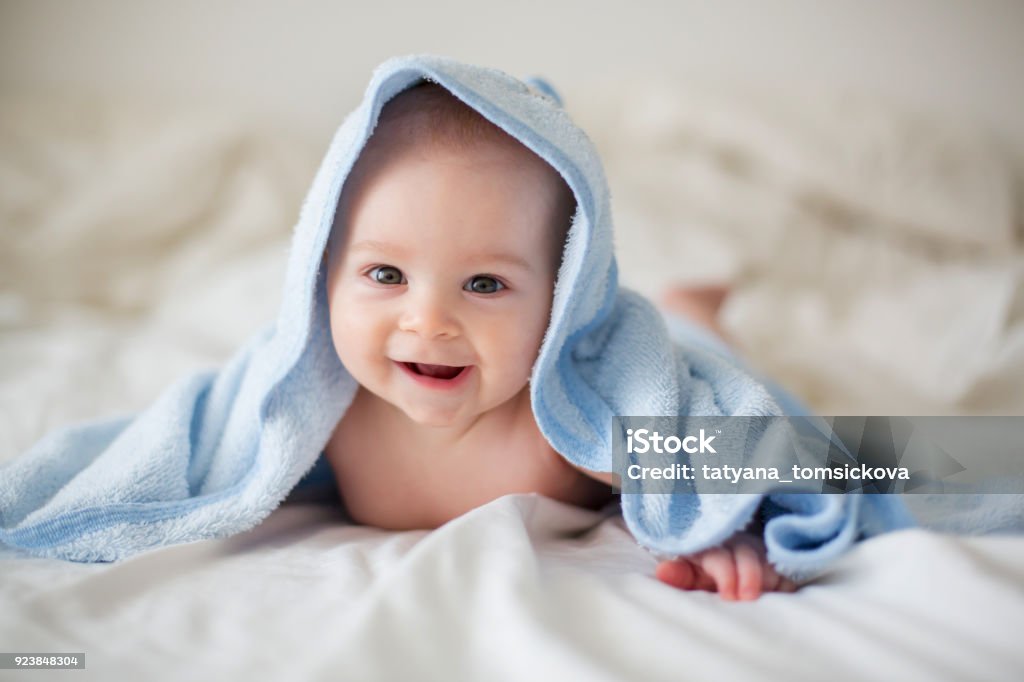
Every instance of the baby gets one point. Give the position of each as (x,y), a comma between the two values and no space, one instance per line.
(441,271)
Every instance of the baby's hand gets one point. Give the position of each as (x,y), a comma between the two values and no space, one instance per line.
(738,570)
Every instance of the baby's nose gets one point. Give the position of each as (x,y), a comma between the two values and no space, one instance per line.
(429,315)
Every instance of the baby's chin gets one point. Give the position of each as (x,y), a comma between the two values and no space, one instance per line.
(460,415)
(433,418)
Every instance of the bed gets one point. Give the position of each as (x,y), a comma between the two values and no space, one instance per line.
(877,263)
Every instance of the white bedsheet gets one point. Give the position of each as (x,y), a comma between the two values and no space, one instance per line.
(523,588)
(878,266)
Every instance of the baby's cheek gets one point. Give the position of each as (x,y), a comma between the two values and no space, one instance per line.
(350,335)
(339,326)
(535,336)
(519,347)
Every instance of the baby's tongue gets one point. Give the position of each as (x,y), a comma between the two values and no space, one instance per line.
(438,371)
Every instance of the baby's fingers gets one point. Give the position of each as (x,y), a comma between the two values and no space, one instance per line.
(678,573)
(751,570)
(750,549)
(720,566)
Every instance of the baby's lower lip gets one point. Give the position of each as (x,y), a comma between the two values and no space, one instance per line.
(435,382)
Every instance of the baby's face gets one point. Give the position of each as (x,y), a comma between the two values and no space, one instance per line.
(448,260)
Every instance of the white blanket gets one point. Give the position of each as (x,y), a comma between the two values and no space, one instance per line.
(878,265)
(523,588)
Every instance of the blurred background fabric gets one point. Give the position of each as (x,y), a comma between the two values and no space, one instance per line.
(854,171)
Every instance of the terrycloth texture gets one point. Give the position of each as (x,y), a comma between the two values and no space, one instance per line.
(219,450)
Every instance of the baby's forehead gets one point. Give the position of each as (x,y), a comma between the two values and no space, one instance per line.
(492,154)
(429,124)
(406,166)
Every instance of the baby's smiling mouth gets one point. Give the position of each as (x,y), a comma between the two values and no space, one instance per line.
(434,371)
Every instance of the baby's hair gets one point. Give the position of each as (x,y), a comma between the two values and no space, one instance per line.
(427,112)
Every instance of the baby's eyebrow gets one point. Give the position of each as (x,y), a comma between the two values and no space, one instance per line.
(374,245)
(507,258)
(398,250)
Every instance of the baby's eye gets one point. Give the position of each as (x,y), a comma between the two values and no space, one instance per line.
(482,284)
(386,274)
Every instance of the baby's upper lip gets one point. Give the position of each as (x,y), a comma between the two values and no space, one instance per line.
(440,364)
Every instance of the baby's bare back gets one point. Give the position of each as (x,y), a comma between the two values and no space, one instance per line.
(394,474)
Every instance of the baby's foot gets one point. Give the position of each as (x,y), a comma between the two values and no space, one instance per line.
(738,570)
(700,304)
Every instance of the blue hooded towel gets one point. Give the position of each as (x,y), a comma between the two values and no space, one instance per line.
(218,451)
